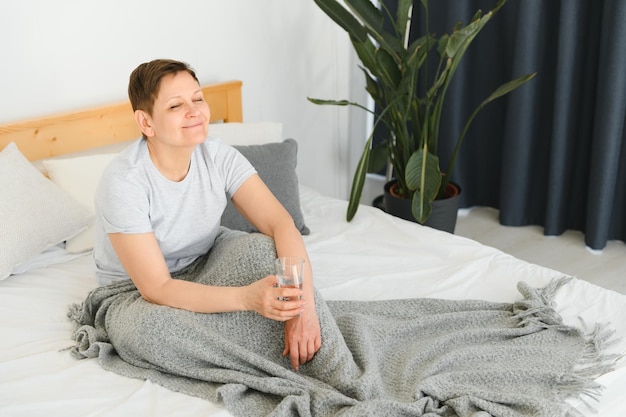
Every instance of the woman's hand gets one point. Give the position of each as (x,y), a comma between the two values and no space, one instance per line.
(264,297)
(302,331)
(302,337)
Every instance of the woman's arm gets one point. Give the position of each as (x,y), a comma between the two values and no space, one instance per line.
(142,258)
(257,204)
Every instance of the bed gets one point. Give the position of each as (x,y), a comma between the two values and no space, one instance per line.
(374,257)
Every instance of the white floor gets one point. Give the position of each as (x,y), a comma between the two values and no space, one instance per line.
(566,253)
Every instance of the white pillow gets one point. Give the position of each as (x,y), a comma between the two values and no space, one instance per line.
(36,213)
(255,133)
(79,176)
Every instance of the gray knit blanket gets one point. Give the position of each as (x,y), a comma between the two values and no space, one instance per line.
(413,357)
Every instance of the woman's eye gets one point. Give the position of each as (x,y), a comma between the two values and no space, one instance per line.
(174,106)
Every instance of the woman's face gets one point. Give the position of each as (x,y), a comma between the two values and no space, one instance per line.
(180,115)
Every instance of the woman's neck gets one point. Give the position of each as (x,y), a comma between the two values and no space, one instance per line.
(172,162)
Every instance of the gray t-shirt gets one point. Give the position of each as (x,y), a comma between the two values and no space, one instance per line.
(134,197)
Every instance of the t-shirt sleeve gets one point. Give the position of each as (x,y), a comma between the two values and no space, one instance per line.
(122,202)
(235,168)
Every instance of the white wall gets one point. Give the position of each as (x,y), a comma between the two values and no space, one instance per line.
(63,55)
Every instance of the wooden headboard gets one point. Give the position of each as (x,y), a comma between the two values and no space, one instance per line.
(76,131)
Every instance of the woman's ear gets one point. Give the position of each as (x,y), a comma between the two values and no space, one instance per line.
(144,121)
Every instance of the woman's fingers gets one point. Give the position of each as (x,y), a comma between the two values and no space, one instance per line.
(311,350)
(301,353)
(288,294)
(285,310)
(286,302)
(294,355)
(272,302)
(302,338)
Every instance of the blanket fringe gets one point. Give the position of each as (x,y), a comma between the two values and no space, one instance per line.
(537,309)
(75,313)
(89,337)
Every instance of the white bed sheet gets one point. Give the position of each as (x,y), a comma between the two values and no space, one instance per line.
(376,256)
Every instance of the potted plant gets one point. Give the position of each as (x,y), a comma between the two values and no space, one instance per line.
(409,95)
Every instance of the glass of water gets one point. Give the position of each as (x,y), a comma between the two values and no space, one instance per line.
(290,272)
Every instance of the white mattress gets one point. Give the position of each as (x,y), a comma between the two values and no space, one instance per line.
(375,256)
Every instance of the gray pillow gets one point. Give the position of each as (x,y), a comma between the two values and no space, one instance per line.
(276,165)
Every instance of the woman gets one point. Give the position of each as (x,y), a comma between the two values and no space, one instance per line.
(160,203)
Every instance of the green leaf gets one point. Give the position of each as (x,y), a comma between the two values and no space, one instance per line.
(328,102)
(420,208)
(361,170)
(423,177)
(338,103)
(423,173)
(388,68)
(393,45)
(378,158)
(508,87)
(369,14)
(366,51)
(460,39)
(403,18)
(373,20)
(358,181)
(372,87)
(441,80)
(343,18)
(477,15)
(417,51)
(443,44)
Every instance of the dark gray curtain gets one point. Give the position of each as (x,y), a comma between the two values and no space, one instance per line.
(552,153)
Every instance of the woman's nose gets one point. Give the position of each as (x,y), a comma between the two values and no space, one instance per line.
(191,110)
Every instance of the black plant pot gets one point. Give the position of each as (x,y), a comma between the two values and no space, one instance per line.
(443,214)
